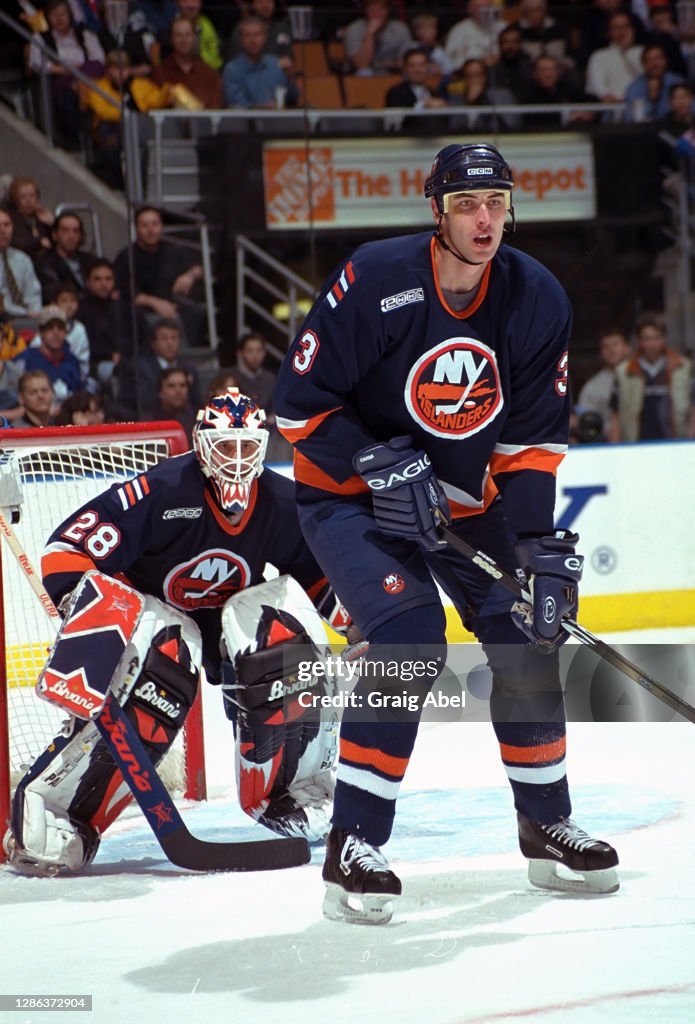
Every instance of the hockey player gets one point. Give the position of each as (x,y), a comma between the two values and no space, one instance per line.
(432,372)
(187,542)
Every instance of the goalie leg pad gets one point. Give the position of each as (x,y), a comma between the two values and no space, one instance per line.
(286,748)
(75,780)
(42,841)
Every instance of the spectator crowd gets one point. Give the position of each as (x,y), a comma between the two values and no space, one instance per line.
(69,319)
(196,56)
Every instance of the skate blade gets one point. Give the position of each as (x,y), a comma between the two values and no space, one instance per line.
(368,908)
(544,874)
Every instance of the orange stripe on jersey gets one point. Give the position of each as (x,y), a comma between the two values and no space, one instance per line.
(350,272)
(142,480)
(337,291)
(131,493)
(482,290)
(528,458)
(294,434)
(369,756)
(540,754)
(55,562)
(459,511)
(305,472)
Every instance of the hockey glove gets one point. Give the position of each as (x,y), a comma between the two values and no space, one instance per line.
(553,571)
(407,498)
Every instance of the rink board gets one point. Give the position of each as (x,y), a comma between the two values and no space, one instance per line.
(631,505)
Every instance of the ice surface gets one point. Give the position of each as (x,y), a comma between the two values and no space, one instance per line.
(471,942)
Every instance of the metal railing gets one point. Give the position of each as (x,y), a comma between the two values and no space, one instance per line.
(289,292)
(50,55)
(132,153)
(175,233)
(389,120)
(679,199)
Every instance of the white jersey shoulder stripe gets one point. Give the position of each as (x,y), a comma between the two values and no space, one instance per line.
(58,545)
(285,424)
(516,449)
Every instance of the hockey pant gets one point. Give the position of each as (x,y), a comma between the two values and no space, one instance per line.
(286,743)
(74,791)
(388,586)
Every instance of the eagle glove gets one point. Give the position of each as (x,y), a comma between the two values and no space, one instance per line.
(553,571)
(407,499)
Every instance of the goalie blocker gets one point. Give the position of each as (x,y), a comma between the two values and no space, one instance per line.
(285,751)
(112,640)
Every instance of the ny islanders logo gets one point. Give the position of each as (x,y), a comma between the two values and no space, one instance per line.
(453,390)
(207,580)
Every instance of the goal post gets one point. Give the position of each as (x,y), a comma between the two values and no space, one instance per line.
(59,469)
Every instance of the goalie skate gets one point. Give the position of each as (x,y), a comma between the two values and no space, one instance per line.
(591,862)
(360,887)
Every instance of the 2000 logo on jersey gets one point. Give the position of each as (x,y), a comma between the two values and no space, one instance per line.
(454,390)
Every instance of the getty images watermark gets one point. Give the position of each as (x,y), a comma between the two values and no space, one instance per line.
(463,682)
(383,677)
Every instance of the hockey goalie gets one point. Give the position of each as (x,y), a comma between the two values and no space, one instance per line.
(156,580)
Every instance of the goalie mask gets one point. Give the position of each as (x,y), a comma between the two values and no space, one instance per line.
(230,439)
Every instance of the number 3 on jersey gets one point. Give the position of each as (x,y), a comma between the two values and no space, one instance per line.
(561,381)
(97,542)
(307,347)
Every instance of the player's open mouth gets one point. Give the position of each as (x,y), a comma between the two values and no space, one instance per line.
(482,239)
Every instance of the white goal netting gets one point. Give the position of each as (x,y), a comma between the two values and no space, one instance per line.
(55,479)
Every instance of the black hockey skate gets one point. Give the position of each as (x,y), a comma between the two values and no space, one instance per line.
(360,887)
(564,843)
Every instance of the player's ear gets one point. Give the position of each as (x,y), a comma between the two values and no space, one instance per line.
(435,210)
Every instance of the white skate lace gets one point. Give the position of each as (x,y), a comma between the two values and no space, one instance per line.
(570,833)
(356,851)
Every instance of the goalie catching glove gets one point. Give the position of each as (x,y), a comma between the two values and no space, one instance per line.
(407,499)
(553,571)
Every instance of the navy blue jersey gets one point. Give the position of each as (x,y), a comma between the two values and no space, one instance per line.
(163,533)
(482,391)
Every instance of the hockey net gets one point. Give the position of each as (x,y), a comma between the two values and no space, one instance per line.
(58,470)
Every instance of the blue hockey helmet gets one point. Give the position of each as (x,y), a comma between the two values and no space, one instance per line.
(474,166)
(230,440)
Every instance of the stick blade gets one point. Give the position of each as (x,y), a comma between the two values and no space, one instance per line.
(187,851)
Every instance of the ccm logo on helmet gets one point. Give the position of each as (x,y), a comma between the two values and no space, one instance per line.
(486,172)
(411,472)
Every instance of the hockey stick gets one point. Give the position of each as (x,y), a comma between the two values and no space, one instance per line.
(181,847)
(603,649)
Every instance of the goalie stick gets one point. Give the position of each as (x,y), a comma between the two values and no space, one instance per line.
(181,847)
(604,650)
